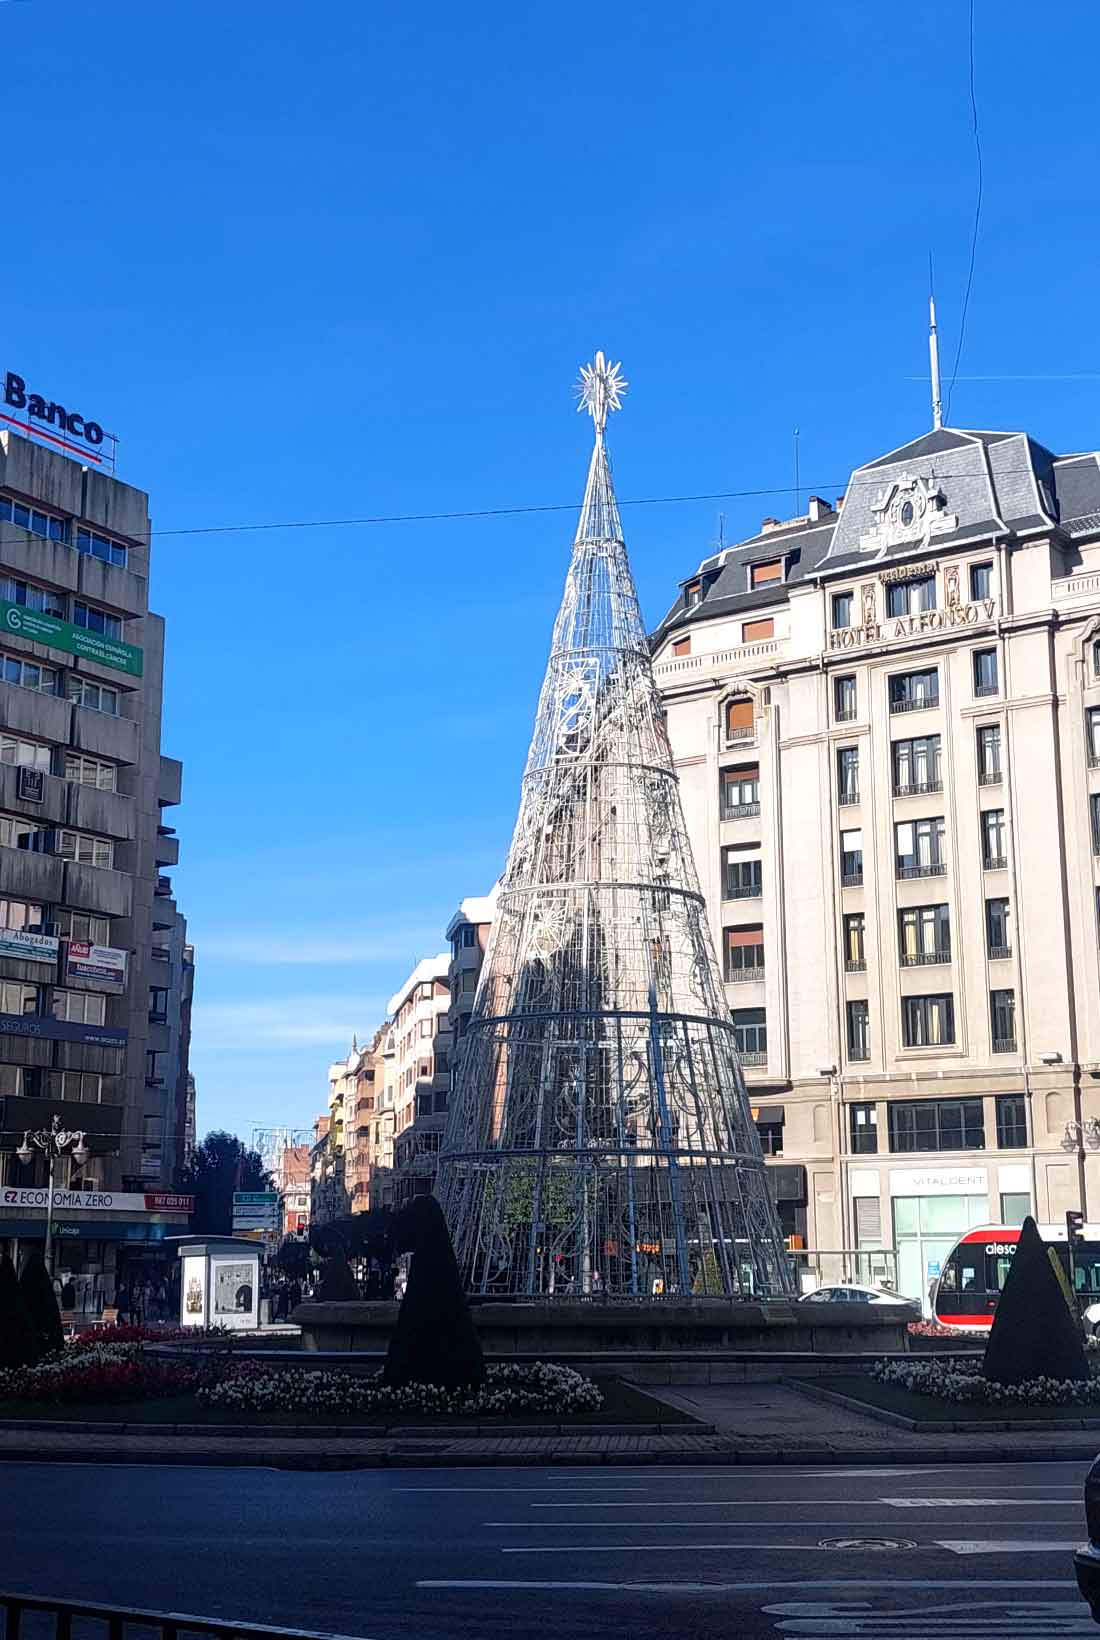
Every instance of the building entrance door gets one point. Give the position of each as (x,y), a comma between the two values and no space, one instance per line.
(925,1230)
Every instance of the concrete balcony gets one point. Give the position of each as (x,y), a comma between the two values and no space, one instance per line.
(93,889)
(170,782)
(1072,589)
(167,850)
(104,735)
(27,876)
(744,658)
(30,712)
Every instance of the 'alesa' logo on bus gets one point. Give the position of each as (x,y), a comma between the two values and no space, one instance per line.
(54,415)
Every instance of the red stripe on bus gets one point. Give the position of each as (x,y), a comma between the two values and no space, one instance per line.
(985,1320)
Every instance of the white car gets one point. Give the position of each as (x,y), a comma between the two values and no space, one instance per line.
(852,1292)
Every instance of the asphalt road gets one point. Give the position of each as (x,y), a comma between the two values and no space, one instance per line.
(453,1554)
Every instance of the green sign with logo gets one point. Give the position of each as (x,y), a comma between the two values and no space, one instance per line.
(75,640)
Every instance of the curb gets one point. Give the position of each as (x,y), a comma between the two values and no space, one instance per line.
(340,1432)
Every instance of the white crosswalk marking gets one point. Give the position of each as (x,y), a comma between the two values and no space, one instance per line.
(980,1503)
(956,1619)
(992,1546)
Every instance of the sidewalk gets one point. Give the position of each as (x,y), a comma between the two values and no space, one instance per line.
(753,1423)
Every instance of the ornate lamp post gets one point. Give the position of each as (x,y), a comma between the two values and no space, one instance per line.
(56,1142)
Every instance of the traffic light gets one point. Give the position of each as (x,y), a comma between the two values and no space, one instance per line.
(1075,1228)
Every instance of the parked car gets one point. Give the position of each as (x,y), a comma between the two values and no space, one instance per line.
(853,1292)
(1086,1562)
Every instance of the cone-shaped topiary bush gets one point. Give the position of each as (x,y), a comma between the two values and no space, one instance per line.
(435,1341)
(1035,1334)
(18,1341)
(38,1296)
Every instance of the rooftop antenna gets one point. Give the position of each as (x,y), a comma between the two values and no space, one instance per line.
(721,531)
(934,351)
(797,478)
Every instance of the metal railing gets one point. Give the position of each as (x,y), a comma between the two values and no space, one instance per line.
(739,811)
(1094,760)
(1004,1044)
(997,953)
(752,1058)
(983,689)
(995,862)
(745,732)
(920,704)
(937,869)
(852,879)
(847,797)
(117,1619)
(923,959)
(845,714)
(736,976)
(990,777)
(743,891)
(856,965)
(917,788)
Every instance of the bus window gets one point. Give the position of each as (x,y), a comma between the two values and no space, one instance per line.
(949,1280)
(996,1271)
(968,1273)
(1086,1271)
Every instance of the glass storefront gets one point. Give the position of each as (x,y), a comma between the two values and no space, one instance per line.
(925,1230)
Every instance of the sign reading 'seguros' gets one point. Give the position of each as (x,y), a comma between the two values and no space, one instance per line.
(74,640)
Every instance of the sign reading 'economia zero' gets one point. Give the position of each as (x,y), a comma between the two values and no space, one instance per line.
(49,411)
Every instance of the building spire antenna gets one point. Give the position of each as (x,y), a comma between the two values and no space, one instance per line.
(934,351)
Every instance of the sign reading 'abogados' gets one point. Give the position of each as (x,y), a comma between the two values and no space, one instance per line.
(49,411)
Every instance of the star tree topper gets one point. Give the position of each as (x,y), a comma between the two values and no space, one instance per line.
(600,390)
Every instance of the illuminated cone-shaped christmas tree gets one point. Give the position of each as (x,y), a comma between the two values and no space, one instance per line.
(600,1140)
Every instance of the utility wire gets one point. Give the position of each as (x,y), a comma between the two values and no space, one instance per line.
(977,222)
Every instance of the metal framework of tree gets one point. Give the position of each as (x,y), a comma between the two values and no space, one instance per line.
(600,1141)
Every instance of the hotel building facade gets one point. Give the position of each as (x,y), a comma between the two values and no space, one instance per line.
(885,716)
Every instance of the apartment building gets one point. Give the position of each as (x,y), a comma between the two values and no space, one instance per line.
(327,1195)
(468,936)
(171,992)
(886,721)
(362,1104)
(421,1075)
(292,1181)
(84,897)
(382,1186)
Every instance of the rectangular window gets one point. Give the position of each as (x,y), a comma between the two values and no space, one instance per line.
(1015,1206)
(86,851)
(844,699)
(859,1031)
(847,774)
(79,925)
(994,840)
(863,1128)
(916,765)
(1002,1018)
(91,771)
(1011,1123)
(855,953)
(17,998)
(79,1007)
(740,723)
(936,1124)
(989,755)
(97,696)
(756,631)
(153,1075)
(27,754)
(924,935)
(919,847)
(910,597)
(33,519)
(741,879)
(842,610)
(82,1087)
(16,832)
(682,646)
(693,594)
(910,691)
(21,917)
(740,792)
(158,1004)
(750,1032)
(1093,725)
(928,1022)
(851,858)
(94,545)
(998,928)
(96,620)
(1094,817)
(29,674)
(985,672)
(761,574)
(745,952)
(40,599)
(981,582)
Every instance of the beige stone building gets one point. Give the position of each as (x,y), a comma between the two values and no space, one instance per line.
(468,935)
(886,721)
(420,1076)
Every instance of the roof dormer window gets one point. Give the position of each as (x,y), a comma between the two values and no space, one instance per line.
(693,594)
(761,574)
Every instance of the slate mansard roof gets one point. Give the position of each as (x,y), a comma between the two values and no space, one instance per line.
(992,484)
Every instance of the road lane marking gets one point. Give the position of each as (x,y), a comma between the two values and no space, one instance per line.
(978,1503)
(896,1584)
(991,1546)
(822,1503)
(861,1521)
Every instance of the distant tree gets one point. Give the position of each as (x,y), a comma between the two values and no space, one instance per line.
(41,1303)
(336,1284)
(708,1278)
(435,1341)
(294,1258)
(1036,1332)
(219,1166)
(18,1340)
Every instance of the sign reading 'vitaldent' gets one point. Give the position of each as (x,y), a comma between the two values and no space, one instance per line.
(74,640)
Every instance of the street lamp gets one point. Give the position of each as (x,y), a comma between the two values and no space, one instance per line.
(55,1141)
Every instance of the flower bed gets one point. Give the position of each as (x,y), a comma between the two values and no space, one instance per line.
(250,1386)
(99,1372)
(951,1380)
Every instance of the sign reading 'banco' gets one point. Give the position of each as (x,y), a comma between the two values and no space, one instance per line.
(910,626)
(49,411)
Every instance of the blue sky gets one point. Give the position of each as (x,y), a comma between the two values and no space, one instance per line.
(317,262)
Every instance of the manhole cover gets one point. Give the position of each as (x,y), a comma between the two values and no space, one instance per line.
(867,1543)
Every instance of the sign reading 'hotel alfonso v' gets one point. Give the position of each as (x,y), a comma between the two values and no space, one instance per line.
(910,626)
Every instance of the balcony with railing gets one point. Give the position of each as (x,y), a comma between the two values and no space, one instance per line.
(917,788)
(852,879)
(999,953)
(845,714)
(926,959)
(855,965)
(742,976)
(1094,760)
(746,731)
(1004,1044)
(994,862)
(990,777)
(742,891)
(739,811)
(983,690)
(918,703)
(845,798)
(752,1057)
(937,868)
(689,667)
